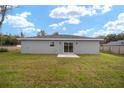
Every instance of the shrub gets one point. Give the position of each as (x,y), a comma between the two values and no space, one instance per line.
(3,50)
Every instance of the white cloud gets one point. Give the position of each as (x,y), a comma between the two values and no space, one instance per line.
(101,32)
(106,9)
(61,24)
(38,30)
(102,9)
(64,28)
(80,33)
(110,27)
(67,12)
(54,25)
(25,14)
(29,29)
(83,32)
(71,14)
(121,16)
(116,25)
(73,21)
(20,21)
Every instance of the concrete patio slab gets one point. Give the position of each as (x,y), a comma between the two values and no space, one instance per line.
(68,55)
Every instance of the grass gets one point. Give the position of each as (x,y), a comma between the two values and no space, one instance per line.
(24,70)
(3,50)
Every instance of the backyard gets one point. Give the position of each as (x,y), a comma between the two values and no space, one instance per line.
(24,70)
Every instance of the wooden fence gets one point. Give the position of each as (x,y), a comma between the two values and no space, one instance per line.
(115,49)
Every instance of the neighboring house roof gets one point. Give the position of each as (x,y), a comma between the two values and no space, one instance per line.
(119,42)
(59,37)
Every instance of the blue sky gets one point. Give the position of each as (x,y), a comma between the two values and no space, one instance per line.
(76,20)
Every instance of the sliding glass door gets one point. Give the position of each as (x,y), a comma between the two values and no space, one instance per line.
(68,47)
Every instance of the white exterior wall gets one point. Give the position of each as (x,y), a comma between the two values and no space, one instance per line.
(38,47)
(43,47)
(87,47)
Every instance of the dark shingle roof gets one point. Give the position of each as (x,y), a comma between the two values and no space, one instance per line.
(63,36)
(59,37)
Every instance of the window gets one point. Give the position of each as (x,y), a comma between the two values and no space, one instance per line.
(122,43)
(51,44)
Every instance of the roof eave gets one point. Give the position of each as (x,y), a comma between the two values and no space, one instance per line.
(45,39)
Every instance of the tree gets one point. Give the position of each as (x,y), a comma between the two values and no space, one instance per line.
(3,11)
(41,33)
(55,33)
(120,36)
(22,34)
(110,37)
(102,37)
(9,40)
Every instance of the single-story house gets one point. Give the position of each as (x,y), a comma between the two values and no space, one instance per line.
(59,44)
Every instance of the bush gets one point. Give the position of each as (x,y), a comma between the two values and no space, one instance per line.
(3,50)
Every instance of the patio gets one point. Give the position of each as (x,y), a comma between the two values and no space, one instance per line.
(68,55)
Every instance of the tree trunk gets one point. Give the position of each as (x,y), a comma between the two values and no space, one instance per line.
(3,13)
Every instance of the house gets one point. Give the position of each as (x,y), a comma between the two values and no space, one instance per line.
(59,44)
(115,47)
(115,43)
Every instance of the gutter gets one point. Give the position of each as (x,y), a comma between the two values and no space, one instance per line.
(57,39)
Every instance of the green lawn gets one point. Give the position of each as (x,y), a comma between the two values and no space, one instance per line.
(21,70)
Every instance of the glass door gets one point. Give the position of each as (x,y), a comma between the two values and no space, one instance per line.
(65,47)
(68,47)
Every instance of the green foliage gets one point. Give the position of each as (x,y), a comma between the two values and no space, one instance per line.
(41,33)
(9,40)
(3,50)
(112,37)
(22,34)
(55,33)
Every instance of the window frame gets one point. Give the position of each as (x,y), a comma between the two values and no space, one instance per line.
(52,44)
